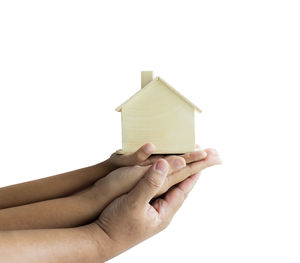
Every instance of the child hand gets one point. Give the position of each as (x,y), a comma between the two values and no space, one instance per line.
(137,158)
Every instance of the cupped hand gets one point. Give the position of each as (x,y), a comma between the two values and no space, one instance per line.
(133,217)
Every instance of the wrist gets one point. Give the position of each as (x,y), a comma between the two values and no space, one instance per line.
(106,190)
(105,167)
(109,164)
(102,244)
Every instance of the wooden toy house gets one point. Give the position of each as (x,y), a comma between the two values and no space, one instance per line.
(159,114)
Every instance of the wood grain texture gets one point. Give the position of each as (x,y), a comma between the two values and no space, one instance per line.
(160,116)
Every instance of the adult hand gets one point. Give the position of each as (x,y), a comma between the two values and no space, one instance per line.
(133,217)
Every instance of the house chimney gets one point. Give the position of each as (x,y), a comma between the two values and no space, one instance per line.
(146,77)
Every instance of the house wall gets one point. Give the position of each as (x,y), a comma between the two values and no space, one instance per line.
(161,117)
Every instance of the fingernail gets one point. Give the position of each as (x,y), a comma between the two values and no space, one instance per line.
(161,166)
(179,163)
(149,148)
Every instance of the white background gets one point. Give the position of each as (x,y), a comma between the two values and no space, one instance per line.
(66,65)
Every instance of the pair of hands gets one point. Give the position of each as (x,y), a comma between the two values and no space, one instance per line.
(142,212)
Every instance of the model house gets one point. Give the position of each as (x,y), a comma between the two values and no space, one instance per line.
(159,114)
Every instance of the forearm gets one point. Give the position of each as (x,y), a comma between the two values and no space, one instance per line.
(53,186)
(70,211)
(86,205)
(54,245)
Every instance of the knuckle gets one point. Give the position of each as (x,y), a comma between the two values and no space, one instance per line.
(153,181)
(139,156)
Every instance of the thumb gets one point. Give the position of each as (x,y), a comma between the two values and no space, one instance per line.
(142,154)
(150,183)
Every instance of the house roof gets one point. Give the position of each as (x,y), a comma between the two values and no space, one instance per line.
(148,86)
